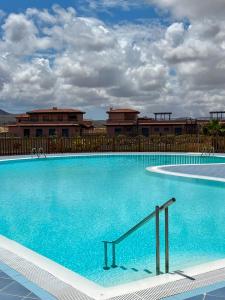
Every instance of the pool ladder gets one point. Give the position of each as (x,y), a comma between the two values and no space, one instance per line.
(155,214)
(38,153)
(208,151)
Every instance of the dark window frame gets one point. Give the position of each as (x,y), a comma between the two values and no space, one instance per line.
(73,117)
(39,132)
(63,132)
(178,130)
(53,130)
(28,132)
(118,130)
(145,131)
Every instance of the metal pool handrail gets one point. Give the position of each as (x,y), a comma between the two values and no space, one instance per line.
(208,151)
(155,213)
(34,152)
(38,152)
(41,152)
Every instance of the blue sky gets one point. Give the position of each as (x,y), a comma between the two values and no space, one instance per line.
(139,13)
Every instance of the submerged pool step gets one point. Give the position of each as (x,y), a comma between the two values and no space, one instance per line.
(125,273)
(135,270)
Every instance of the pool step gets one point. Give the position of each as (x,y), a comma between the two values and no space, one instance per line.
(135,270)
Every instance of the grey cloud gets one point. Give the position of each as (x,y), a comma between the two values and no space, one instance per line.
(194,9)
(18,28)
(89,77)
(4,75)
(74,61)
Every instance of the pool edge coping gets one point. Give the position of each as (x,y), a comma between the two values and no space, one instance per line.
(91,289)
(87,286)
(160,170)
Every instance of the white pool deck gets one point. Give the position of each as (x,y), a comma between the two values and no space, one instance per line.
(64,284)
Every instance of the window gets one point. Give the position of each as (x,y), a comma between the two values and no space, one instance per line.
(118,130)
(52,132)
(156,129)
(39,132)
(178,130)
(166,129)
(145,131)
(65,132)
(129,129)
(26,132)
(73,117)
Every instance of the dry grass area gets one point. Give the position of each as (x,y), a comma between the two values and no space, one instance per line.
(3,129)
(100,131)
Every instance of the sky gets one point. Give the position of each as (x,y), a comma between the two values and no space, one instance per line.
(151,55)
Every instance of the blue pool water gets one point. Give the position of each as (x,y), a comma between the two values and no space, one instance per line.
(64,208)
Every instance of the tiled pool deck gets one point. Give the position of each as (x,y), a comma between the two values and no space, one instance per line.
(19,285)
(13,286)
(186,283)
(212,292)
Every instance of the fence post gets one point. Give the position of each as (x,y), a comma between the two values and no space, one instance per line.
(139,143)
(113,144)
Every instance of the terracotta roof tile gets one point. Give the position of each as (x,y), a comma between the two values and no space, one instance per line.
(87,123)
(43,124)
(123,110)
(22,116)
(120,123)
(55,110)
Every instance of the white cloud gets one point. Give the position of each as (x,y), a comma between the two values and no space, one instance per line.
(58,58)
(5,75)
(21,36)
(175,34)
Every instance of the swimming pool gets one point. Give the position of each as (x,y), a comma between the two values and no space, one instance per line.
(63,208)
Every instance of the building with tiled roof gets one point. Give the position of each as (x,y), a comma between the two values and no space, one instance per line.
(60,122)
(126,122)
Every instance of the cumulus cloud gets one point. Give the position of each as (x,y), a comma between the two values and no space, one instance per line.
(20,36)
(193,9)
(59,58)
(5,76)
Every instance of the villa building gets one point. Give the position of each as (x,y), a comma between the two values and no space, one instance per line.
(127,122)
(122,122)
(51,122)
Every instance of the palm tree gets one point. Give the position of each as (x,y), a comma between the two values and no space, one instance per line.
(214,128)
